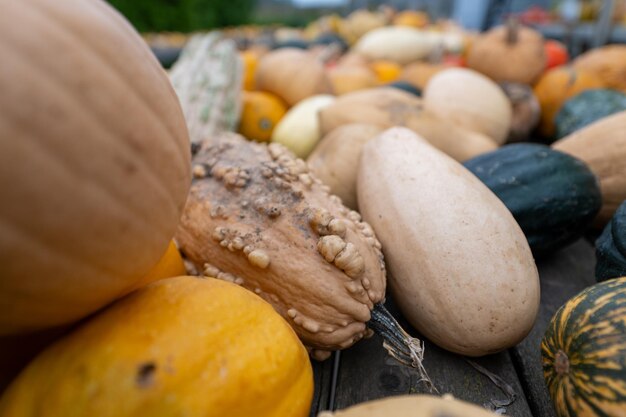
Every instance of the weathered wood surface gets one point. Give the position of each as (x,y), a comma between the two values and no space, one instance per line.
(365,371)
(563,275)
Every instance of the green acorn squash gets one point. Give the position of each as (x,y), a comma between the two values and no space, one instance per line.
(584,353)
(553,196)
(587,107)
(611,247)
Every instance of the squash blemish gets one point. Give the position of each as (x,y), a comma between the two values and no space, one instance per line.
(145,375)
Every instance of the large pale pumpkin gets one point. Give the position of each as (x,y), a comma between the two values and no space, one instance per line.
(94,161)
(182,346)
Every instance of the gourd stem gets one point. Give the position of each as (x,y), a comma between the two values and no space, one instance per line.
(400,345)
(512,30)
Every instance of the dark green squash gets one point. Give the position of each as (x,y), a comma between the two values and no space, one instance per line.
(584,353)
(587,107)
(611,247)
(330,38)
(405,86)
(292,43)
(553,196)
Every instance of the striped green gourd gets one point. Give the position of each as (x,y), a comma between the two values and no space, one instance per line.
(207,78)
(584,353)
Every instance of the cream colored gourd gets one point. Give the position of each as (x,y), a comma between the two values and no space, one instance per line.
(602,146)
(412,406)
(385,107)
(299,129)
(457,142)
(292,74)
(95,161)
(460,267)
(399,44)
(335,160)
(470,100)
(257,216)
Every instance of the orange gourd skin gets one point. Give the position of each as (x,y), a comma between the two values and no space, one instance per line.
(607,63)
(555,87)
(170,265)
(386,71)
(180,346)
(260,114)
(95,161)
(250,61)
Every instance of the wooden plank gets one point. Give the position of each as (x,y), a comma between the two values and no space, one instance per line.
(322,376)
(367,372)
(563,275)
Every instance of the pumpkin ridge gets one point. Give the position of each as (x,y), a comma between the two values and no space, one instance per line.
(105,129)
(96,55)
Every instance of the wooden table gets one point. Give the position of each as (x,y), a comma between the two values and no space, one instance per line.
(365,371)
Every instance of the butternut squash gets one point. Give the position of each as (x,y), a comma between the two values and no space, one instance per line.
(461,269)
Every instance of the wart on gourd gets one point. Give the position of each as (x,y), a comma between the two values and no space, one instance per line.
(283,233)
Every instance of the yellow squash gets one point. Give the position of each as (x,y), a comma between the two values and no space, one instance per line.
(183,346)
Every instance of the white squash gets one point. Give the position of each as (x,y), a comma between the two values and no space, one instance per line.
(299,129)
(400,44)
(461,269)
(470,100)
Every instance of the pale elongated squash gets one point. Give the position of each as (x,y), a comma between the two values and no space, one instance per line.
(461,269)
(412,406)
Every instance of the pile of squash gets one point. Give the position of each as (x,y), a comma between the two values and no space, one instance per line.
(155,262)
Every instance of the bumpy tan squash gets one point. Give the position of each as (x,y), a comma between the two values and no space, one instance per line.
(95,161)
(292,74)
(336,159)
(602,146)
(461,268)
(412,406)
(181,346)
(256,216)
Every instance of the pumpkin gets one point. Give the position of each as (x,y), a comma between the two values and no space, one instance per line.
(526,110)
(555,87)
(394,43)
(208,81)
(351,78)
(509,53)
(611,247)
(385,107)
(386,71)
(556,53)
(260,113)
(259,218)
(360,22)
(553,196)
(608,63)
(584,352)
(473,287)
(602,146)
(469,100)
(292,75)
(419,73)
(299,130)
(412,406)
(411,18)
(95,163)
(586,108)
(138,358)
(250,61)
(336,158)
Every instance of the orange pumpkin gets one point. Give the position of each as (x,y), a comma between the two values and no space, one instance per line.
(351,78)
(411,18)
(555,87)
(386,71)
(250,60)
(260,113)
(608,63)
